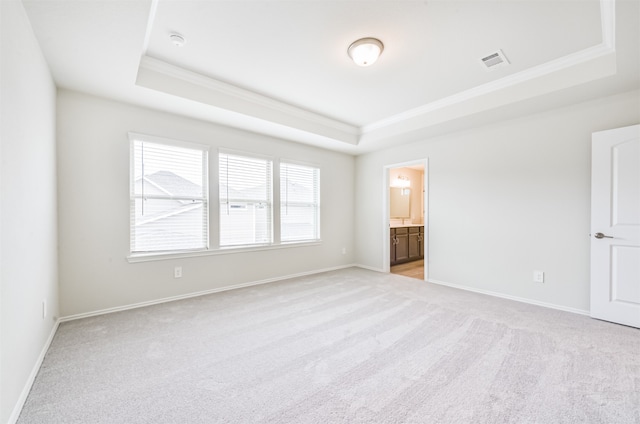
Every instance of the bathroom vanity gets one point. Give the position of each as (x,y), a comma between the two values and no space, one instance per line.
(406,243)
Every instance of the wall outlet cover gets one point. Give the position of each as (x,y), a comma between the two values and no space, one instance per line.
(538,276)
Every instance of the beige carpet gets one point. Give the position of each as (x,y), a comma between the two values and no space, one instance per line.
(351,346)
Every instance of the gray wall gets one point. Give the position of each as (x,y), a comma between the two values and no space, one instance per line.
(93,164)
(28,259)
(504,200)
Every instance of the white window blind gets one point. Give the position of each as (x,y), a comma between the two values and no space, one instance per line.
(169,196)
(299,203)
(245,200)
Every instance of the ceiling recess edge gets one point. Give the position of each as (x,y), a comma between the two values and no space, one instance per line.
(579,67)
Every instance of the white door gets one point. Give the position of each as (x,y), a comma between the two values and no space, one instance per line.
(615,226)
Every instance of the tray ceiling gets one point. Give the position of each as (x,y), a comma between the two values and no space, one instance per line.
(281,67)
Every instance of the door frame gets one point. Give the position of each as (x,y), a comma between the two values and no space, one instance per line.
(386,267)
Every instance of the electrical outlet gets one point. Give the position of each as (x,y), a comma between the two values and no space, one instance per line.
(344,250)
(177,272)
(44,308)
(538,276)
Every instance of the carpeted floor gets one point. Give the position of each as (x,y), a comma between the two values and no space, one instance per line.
(350,346)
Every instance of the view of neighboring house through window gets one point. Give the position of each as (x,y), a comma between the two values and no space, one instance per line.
(169,195)
(299,203)
(245,187)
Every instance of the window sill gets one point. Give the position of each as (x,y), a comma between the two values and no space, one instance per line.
(149,257)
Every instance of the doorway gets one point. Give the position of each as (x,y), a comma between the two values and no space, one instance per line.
(405,219)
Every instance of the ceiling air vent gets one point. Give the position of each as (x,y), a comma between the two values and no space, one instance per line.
(494,60)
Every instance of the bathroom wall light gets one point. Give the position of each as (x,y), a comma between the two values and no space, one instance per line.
(365,51)
(402,182)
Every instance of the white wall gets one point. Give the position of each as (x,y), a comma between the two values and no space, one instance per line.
(28,259)
(93,163)
(504,200)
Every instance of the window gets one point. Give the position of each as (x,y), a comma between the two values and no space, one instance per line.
(299,203)
(245,200)
(169,199)
(169,195)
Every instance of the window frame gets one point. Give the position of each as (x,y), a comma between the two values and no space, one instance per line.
(213,197)
(205,199)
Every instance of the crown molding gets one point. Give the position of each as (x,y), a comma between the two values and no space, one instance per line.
(527,75)
(607,46)
(261,105)
(608,22)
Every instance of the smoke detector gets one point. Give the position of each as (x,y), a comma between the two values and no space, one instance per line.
(177,39)
(494,60)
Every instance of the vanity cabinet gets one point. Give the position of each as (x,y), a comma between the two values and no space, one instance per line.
(399,245)
(414,243)
(406,244)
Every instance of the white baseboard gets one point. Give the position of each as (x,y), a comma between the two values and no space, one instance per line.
(32,376)
(370,268)
(494,294)
(200,293)
(506,296)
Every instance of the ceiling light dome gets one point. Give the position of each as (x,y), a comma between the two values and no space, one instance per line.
(365,51)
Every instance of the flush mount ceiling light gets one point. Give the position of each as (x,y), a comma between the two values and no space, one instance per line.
(365,51)
(176,39)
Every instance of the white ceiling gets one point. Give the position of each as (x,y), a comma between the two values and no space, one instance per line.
(281,67)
